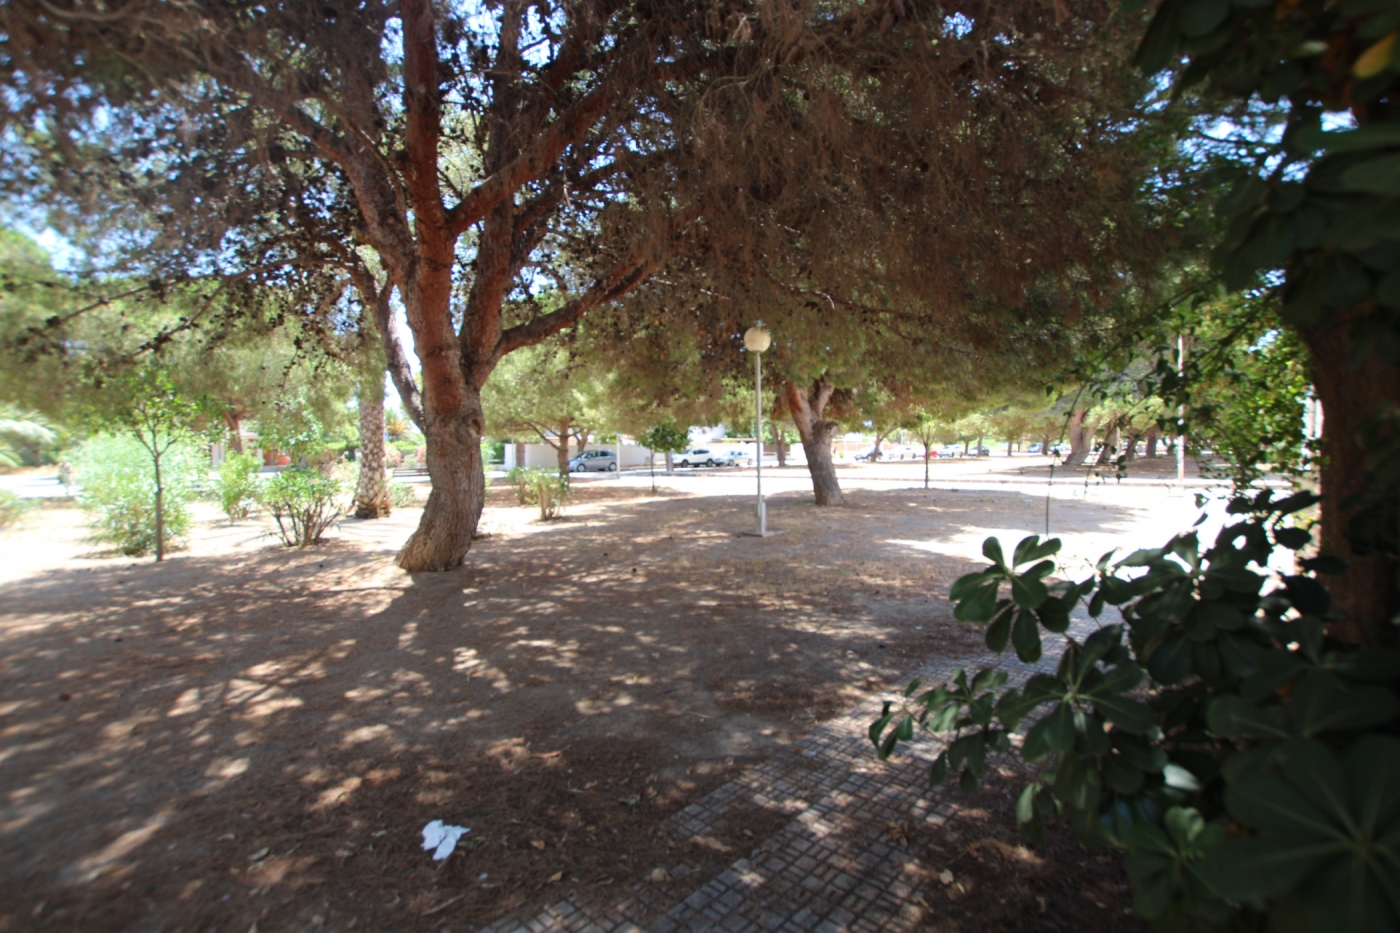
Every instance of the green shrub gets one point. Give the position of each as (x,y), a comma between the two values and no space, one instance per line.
(545,488)
(519,479)
(549,491)
(493,451)
(237,485)
(304,503)
(402,496)
(12,508)
(1223,734)
(118,491)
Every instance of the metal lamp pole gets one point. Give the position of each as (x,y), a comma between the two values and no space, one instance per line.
(757,339)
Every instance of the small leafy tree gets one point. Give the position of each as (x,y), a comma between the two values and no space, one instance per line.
(118,491)
(1242,755)
(667,439)
(148,405)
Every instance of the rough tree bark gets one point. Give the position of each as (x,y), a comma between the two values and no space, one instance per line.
(372,490)
(1151,437)
(233,420)
(806,405)
(880,439)
(1367,593)
(1078,438)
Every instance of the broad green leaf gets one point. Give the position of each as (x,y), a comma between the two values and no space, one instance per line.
(1376,58)
(967,583)
(938,771)
(1236,718)
(878,726)
(1093,740)
(989,678)
(999,632)
(1033,549)
(1025,804)
(1329,828)
(1027,591)
(1077,783)
(1180,778)
(1130,715)
(1054,614)
(1025,636)
(1059,732)
(1307,595)
(1035,747)
(979,606)
(991,549)
(1321,704)
(1121,777)
(1199,17)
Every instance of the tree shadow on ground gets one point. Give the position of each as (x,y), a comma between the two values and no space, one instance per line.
(257,735)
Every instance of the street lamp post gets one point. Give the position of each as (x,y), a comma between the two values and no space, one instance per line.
(757,339)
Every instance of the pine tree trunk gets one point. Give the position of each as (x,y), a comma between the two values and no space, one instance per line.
(1078,442)
(454,506)
(879,439)
(561,451)
(234,420)
(372,491)
(1152,436)
(1367,593)
(806,406)
(780,444)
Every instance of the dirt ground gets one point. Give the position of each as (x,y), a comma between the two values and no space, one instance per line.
(251,737)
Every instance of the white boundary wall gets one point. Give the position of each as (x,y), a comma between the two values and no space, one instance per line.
(543,455)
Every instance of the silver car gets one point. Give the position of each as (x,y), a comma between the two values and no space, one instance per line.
(594,461)
(737,458)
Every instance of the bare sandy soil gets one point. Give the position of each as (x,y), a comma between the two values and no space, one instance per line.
(251,737)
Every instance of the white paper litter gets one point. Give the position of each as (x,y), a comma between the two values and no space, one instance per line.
(442,837)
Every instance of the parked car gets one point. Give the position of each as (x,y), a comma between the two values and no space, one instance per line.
(737,458)
(1035,448)
(699,456)
(594,461)
(985,452)
(866,454)
(1060,450)
(950,450)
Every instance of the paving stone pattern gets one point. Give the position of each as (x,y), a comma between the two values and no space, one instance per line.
(832,867)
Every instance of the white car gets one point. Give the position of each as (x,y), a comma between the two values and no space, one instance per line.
(737,458)
(699,456)
(950,450)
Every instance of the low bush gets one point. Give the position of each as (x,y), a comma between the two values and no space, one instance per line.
(545,488)
(402,496)
(519,479)
(13,507)
(304,503)
(118,491)
(237,485)
(549,491)
(1223,734)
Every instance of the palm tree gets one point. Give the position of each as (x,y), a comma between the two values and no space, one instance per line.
(22,426)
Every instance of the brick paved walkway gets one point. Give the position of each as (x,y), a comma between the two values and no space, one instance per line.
(831,868)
